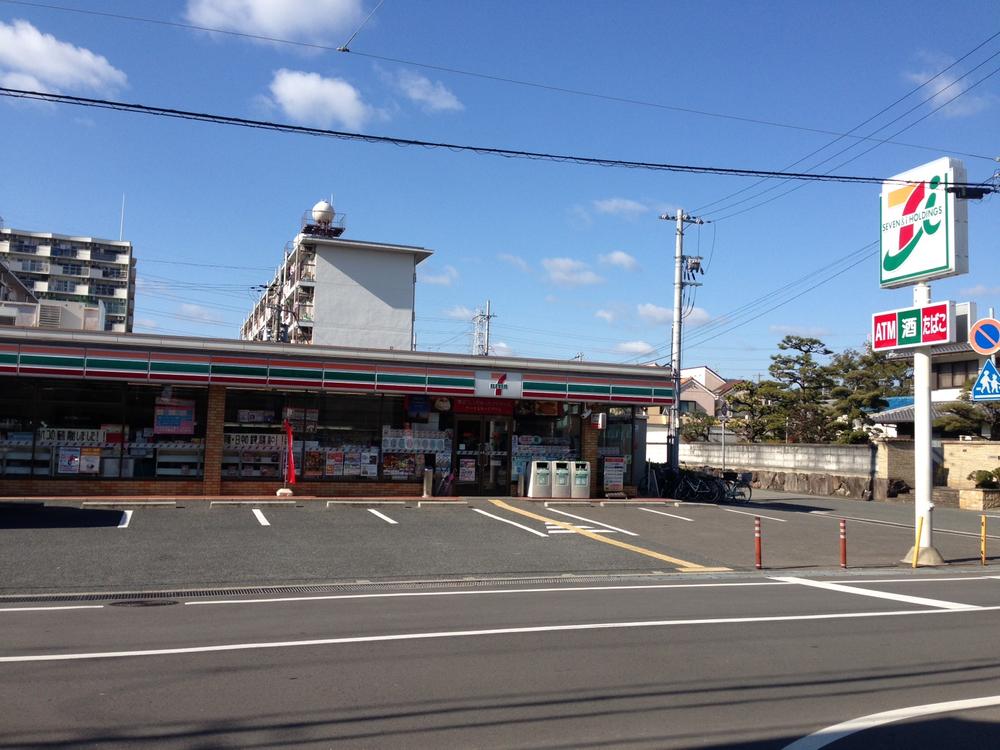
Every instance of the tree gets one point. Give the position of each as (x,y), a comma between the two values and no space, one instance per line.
(969,418)
(756,412)
(805,386)
(696,426)
(861,382)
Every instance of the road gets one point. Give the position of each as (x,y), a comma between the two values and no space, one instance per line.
(501,625)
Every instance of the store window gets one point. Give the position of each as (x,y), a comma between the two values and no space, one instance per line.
(544,431)
(616,438)
(254,443)
(416,434)
(72,429)
(344,443)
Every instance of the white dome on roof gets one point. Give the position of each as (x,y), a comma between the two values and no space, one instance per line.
(322,212)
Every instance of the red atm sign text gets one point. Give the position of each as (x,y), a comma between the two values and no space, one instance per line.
(914,326)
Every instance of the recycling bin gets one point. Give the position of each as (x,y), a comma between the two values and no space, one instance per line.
(561,486)
(580,471)
(540,479)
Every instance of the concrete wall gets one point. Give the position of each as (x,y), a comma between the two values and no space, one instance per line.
(849,460)
(962,457)
(364,298)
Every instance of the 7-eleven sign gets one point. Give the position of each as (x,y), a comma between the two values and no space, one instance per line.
(914,326)
(494,384)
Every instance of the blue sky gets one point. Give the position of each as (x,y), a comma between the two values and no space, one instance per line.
(573,258)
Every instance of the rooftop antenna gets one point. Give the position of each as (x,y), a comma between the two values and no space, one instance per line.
(121,225)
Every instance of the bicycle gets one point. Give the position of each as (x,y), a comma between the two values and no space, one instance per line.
(695,486)
(738,488)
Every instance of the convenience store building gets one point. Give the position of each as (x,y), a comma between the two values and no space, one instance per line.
(104,414)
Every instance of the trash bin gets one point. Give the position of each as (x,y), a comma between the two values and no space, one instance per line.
(580,471)
(561,480)
(540,479)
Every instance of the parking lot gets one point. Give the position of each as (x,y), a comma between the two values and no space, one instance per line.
(69,547)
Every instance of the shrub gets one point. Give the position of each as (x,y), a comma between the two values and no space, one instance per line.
(986,480)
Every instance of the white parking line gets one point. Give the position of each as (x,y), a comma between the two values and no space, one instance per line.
(383,516)
(919,600)
(43,609)
(260,517)
(590,520)
(126,519)
(552,528)
(512,523)
(755,515)
(829,735)
(662,513)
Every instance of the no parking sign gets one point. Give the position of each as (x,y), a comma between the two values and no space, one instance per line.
(984,336)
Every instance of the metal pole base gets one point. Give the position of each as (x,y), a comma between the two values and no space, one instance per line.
(283,492)
(927,556)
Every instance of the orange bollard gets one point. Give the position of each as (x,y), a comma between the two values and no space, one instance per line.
(843,543)
(756,541)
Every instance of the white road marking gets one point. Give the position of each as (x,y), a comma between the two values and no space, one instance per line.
(831,734)
(876,594)
(512,523)
(126,519)
(44,609)
(590,520)
(260,517)
(473,633)
(383,516)
(554,529)
(662,513)
(908,527)
(755,515)
(473,592)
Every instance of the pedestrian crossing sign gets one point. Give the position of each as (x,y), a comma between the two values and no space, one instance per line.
(987,386)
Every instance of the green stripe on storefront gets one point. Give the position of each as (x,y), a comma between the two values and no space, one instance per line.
(389,378)
(588,388)
(246,371)
(349,376)
(8,359)
(663,392)
(45,361)
(629,390)
(132,365)
(290,372)
(189,368)
(456,382)
(536,385)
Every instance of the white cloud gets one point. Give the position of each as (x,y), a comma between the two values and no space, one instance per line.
(501,349)
(569,272)
(460,312)
(445,278)
(946,87)
(146,323)
(654,313)
(579,218)
(605,315)
(658,315)
(299,20)
(311,99)
(32,60)
(432,96)
(634,347)
(198,312)
(623,207)
(515,260)
(792,330)
(551,299)
(980,290)
(621,259)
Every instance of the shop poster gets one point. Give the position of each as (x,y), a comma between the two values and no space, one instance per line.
(614,474)
(69,461)
(90,460)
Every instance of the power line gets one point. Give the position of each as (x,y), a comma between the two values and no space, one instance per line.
(474,74)
(870,148)
(395,141)
(865,122)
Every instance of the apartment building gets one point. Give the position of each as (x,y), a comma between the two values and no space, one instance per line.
(330,291)
(87,271)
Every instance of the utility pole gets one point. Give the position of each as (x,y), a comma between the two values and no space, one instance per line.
(690,264)
(481,332)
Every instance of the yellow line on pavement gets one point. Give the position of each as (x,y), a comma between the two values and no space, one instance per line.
(683,565)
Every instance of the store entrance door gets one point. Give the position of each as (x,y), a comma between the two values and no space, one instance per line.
(482,455)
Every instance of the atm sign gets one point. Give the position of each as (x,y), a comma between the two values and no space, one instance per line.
(914,326)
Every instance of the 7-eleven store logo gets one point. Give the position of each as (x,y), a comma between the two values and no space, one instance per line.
(498,382)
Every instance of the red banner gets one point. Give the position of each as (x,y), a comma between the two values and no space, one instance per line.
(484,406)
(290,464)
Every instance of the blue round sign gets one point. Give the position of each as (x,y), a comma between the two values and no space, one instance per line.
(984,336)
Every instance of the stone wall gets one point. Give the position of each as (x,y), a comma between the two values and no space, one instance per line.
(962,457)
(799,458)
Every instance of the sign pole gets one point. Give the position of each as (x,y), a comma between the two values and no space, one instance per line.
(923,552)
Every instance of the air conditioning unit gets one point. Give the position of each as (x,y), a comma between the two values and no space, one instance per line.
(49,316)
(966,437)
